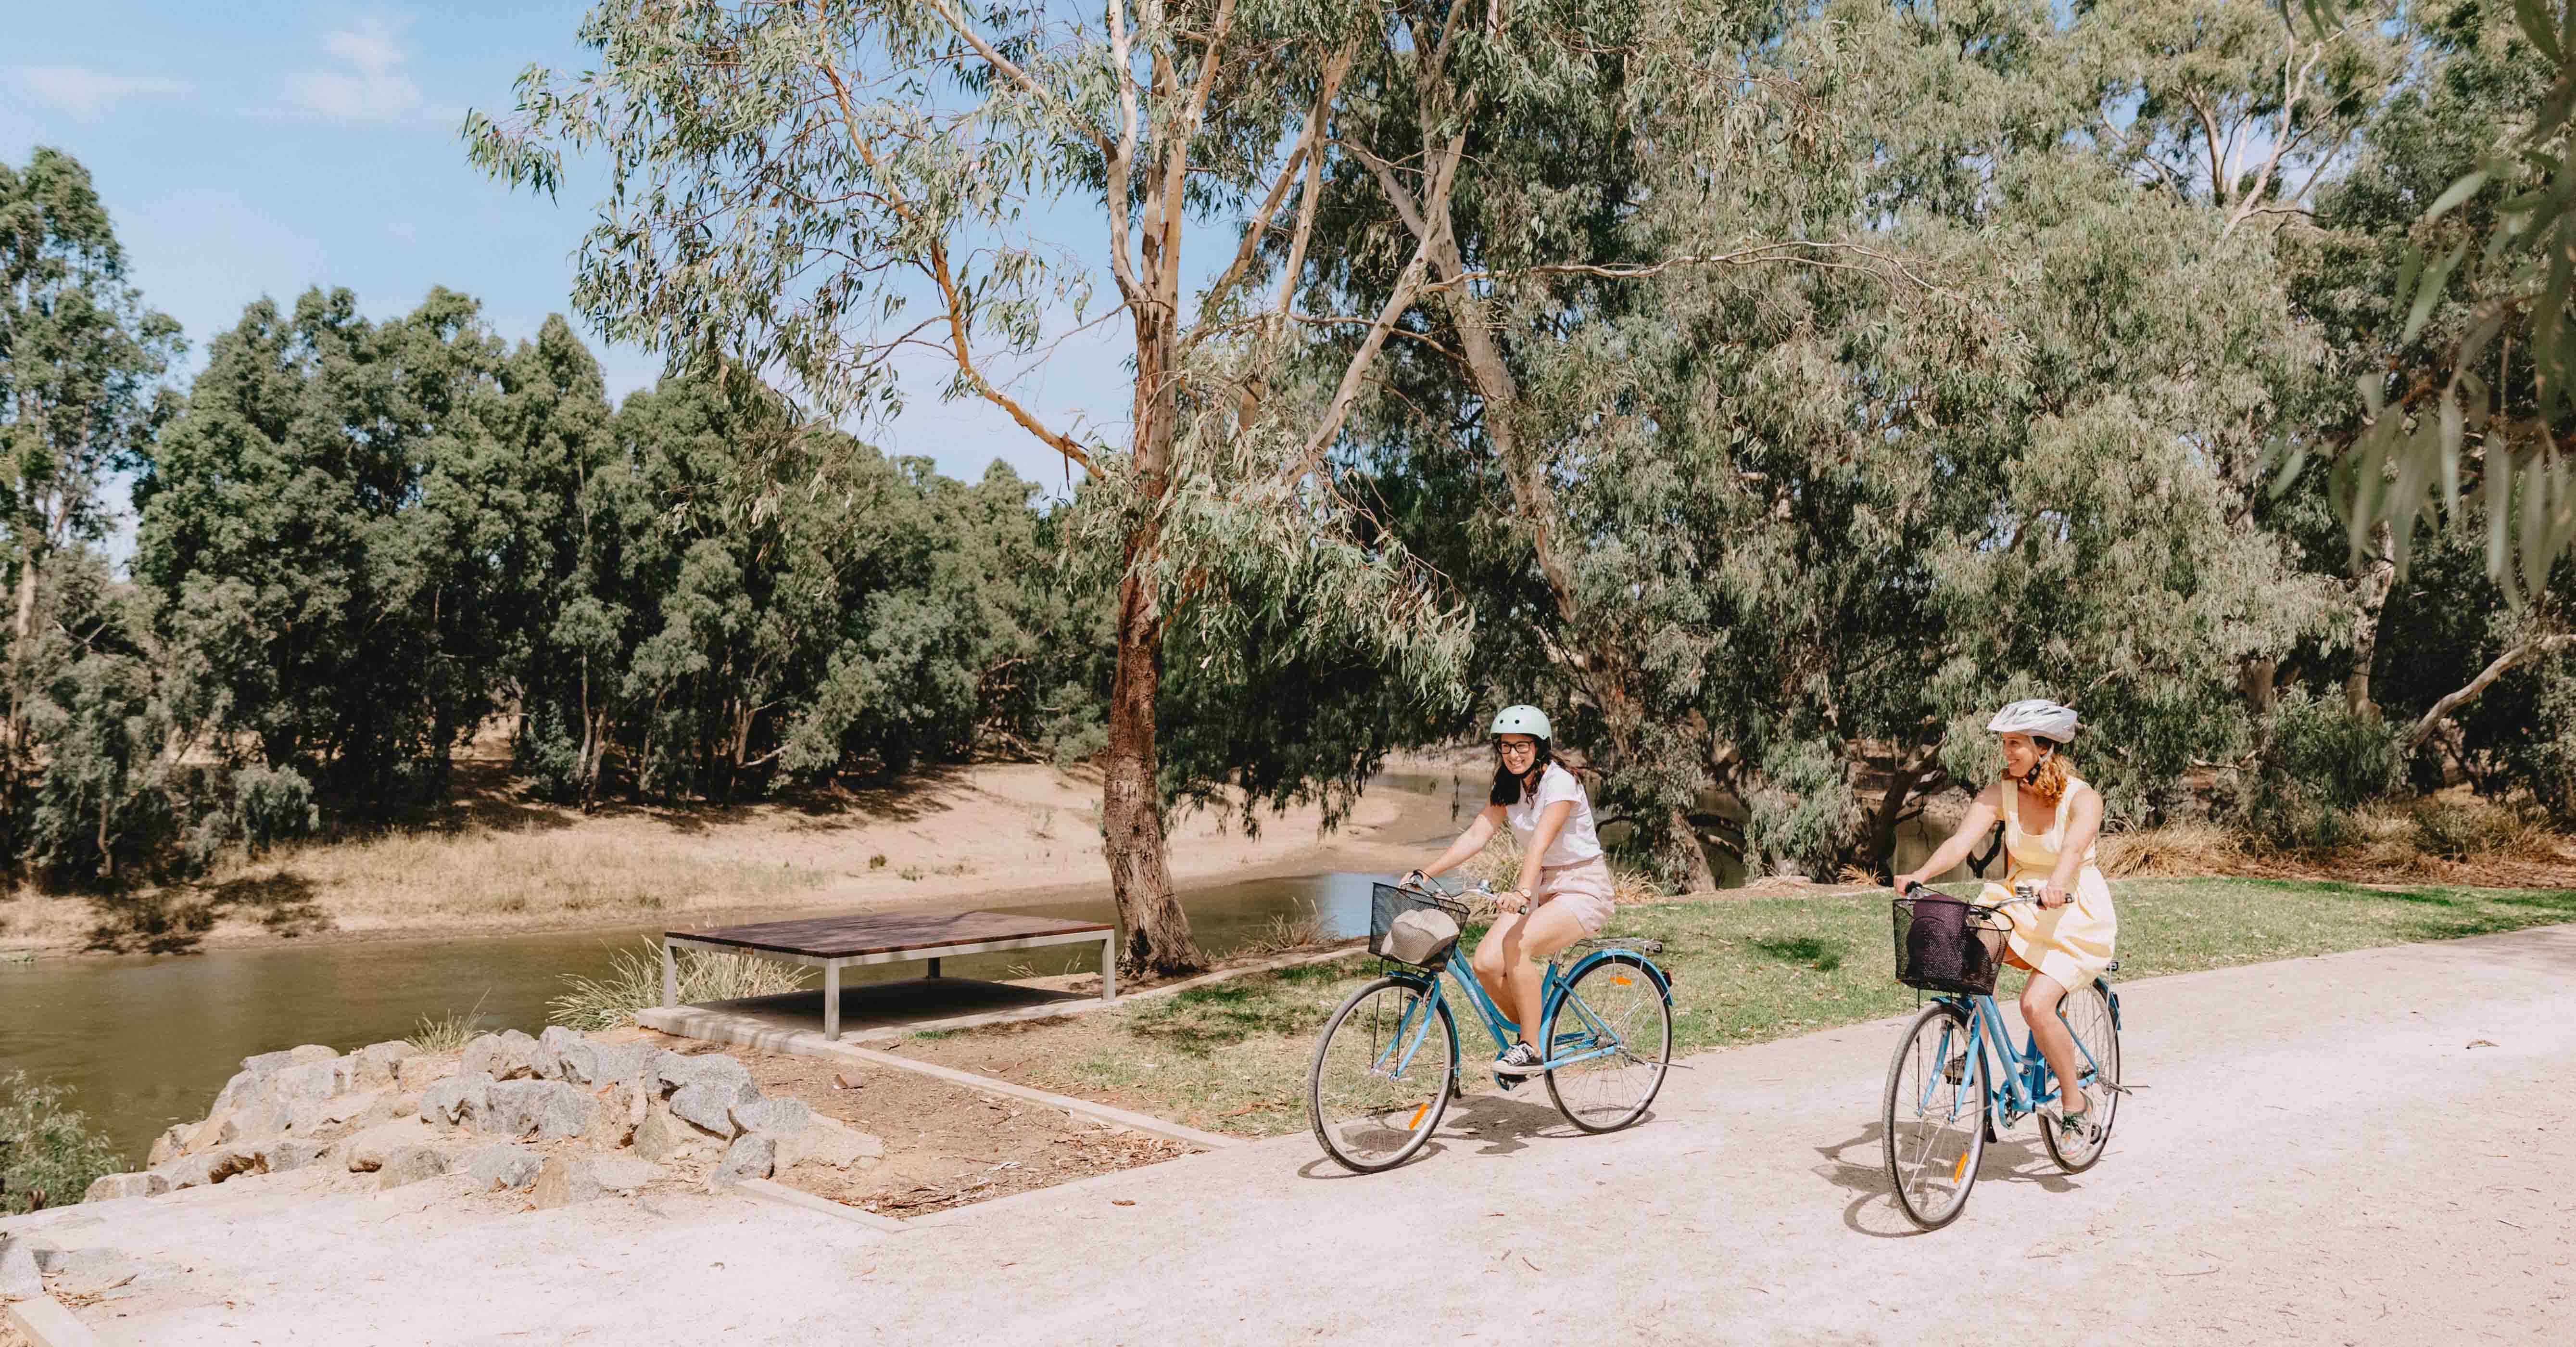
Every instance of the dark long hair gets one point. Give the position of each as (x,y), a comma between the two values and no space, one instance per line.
(1507,787)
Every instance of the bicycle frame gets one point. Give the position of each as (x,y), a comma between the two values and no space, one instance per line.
(1558,988)
(2017,1080)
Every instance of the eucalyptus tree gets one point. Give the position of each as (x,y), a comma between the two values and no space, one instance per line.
(815,193)
(2474,420)
(2230,106)
(81,364)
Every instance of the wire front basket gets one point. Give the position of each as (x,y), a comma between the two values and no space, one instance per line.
(1388,902)
(1946,944)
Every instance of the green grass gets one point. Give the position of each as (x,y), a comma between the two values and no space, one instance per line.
(1232,1056)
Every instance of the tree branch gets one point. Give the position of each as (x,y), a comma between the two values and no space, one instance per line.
(2525,649)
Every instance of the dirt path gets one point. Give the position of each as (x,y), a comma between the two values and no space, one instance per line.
(2327,1150)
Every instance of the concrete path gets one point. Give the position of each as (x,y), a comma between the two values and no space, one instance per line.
(2320,1155)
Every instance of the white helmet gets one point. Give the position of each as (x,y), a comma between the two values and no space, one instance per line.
(1527,720)
(2038,717)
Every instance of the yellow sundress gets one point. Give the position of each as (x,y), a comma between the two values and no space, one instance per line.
(2071,944)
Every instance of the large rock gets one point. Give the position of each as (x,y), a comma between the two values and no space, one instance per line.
(109,1187)
(170,1146)
(620,1111)
(560,1045)
(372,1148)
(610,1063)
(752,1155)
(309,1083)
(713,1068)
(503,1166)
(206,1134)
(777,1116)
(376,1062)
(508,1055)
(415,1074)
(664,1137)
(289,1153)
(623,1174)
(247,1125)
(563,1181)
(266,1065)
(457,1099)
(537,1108)
(215,1166)
(831,1143)
(19,1275)
(710,1104)
(244,1089)
(411,1164)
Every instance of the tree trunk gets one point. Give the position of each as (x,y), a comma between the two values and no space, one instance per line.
(1696,871)
(2371,587)
(1156,930)
(1901,781)
(2260,680)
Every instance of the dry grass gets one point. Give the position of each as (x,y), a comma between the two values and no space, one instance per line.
(1285,934)
(2451,839)
(634,982)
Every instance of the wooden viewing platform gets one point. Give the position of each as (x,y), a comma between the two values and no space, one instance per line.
(835,943)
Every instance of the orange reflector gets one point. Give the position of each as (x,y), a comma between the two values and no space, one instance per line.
(1619,982)
(1417,1117)
(1959,1170)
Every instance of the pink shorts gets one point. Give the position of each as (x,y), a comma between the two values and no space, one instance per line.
(1583,888)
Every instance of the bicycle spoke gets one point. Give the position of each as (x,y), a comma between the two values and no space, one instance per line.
(1608,1043)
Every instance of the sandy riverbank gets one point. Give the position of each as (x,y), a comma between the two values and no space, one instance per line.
(1015,832)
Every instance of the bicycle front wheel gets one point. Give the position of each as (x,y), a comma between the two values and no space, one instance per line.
(1615,1030)
(1932,1122)
(2097,1044)
(1380,1079)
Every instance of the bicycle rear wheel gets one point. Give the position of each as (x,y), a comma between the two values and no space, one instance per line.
(1634,1023)
(1380,1079)
(1932,1122)
(2088,1016)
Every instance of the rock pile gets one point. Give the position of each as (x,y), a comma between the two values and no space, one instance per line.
(562,1115)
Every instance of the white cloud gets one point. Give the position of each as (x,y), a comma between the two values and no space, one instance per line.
(367,81)
(86,91)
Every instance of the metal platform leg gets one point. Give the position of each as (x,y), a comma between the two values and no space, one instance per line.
(1109,967)
(832,1001)
(670,976)
(934,968)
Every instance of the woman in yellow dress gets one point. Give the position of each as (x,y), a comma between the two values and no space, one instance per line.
(2050,820)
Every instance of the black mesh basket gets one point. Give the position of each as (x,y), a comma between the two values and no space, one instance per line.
(1945,944)
(1387,902)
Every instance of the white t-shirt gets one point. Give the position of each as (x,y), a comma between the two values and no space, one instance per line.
(1575,842)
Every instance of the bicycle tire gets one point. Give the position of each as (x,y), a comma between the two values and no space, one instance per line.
(1358,1013)
(1971,1156)
(1641,998)
(2088,1016)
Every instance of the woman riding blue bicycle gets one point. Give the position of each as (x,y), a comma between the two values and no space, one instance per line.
(2050,820)
(1563,893)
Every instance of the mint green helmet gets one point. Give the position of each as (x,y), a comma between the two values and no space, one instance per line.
(1527,720)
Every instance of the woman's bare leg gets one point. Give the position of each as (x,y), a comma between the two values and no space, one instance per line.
(2039,998)
(1488,961)
(1540,934)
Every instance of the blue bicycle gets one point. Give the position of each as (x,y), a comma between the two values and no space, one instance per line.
(1387,1064)
(1957,1077)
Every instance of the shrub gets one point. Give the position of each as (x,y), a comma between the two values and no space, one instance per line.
(634,982)
(2317,764)
(48,1155)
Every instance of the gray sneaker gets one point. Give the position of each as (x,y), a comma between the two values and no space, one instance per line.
(1519,1062)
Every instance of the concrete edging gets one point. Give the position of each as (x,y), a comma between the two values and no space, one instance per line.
(770,1190)
(1108,1113)
(47,1324)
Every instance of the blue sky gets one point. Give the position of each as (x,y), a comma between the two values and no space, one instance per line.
(257,149)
